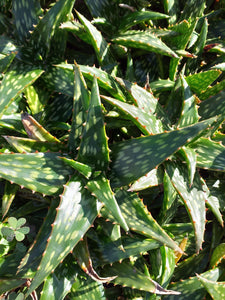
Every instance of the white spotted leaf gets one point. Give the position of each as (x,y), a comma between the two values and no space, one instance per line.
(14,83)
(100,187)
(134,158)
(41,172)
(94,145)
(76,213)
(193,197)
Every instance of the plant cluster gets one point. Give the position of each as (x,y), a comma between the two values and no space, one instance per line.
(112,149)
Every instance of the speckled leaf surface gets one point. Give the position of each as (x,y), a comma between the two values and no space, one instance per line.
(145,100)
(94,149)
(212,106)
(192,288)
(15,81)
(30,145)
(145,41)
(193,9)
(82,168)
(212,90)
(26,15)
(98,42)
(218,255)
(75,214)
(80,107)
(215,289)
(91,289)
(148,152)
(100,187)
(139,219)
(46,27)
(10,283)
(8,197)
(194,198)
(31,260)
(153,178)
(199,82)
(189,113)
(36,98)
(130,276)
(210,154)
(190,157)
(41,172)
(146,122)
(137,17)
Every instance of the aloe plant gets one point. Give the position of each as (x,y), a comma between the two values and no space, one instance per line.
(112,149)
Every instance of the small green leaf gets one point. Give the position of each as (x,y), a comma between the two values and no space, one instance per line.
(19,236)
(13,222)
(8,233)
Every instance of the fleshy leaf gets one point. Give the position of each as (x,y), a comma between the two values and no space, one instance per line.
(191,288)
(75,214)
(210,154)
(130,276)
(15,81)
(140,16)
(100,45)
(80,107)
(146,122)
(145,41)
(100,187)
(94,145)
(25,16)
(193,197)
(215,289)
(212,106)
(8,197)
(41,172)
(139,219)
(46,27)
(136,157)
(190,158)
(189,114)
(218,255)
(82,168)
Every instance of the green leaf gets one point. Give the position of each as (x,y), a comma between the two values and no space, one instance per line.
(75,214)
(190,158)
(139,219)
(8,197)
(210,154)
(193,9)
(42,172)
(146,122)
(31,260)
(134,158)
(212,106)
(191,288)
(13,222)
(215,289)
(100,187)
(15,81)
(8,233)
(19,236)
(218,255)
(199,82)
(132,277)
(25,17)
(36,98)
(82,168)
(212,90)
(153,178)
(193,198)
(48,25)
(80,107)
(98,42)
(94,145)
(145,41)
(137,17)
(29,145)
(10,284)
(189,114)
(91,289)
